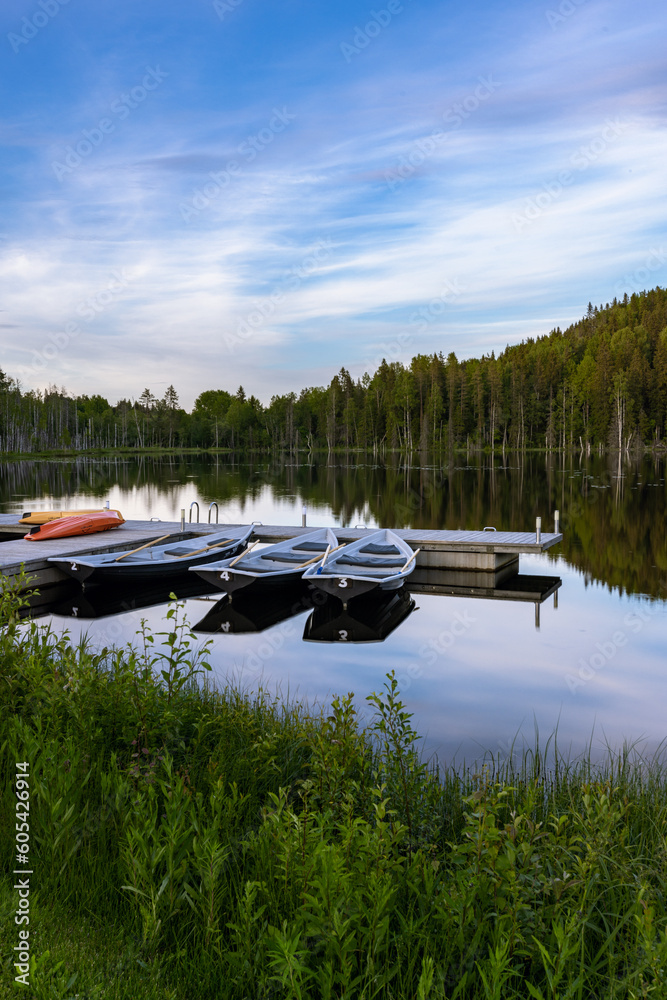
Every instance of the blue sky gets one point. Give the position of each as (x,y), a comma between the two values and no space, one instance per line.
(250,192)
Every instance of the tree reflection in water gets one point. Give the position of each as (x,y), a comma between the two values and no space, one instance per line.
(613,509)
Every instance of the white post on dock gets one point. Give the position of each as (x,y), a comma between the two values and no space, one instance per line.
(182,518)
(303,517)
(538,529)
(557,522)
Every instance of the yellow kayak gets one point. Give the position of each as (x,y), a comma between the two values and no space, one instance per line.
(44,516)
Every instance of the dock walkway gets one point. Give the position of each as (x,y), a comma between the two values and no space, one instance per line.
(494,552)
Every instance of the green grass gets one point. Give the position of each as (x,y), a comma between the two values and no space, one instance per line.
(192,843)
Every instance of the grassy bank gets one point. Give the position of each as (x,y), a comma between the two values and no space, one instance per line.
(74,453)
(190,844)
(323,454)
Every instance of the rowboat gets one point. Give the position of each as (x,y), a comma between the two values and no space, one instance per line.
(152,561)
(381,559)
(80,524)
(44,516)
(275,565)
(369,618)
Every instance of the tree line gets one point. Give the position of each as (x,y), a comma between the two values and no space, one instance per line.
(601,384)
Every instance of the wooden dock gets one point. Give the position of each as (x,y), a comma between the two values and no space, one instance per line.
(492,552)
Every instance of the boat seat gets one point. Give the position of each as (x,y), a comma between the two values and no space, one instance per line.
(139,557)
(381,572)
(184,550)
(312,546)
(369,562)
(255,569)
(287,557)
(377,549)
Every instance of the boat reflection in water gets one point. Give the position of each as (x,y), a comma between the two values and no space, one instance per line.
(370,617)
(257,610)
(367,618)
(103,600)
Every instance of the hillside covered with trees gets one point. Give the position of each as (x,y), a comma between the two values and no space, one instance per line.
(600,384)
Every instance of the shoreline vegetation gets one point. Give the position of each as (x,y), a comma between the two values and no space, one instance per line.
(599,386)
(192,842)
(658,449)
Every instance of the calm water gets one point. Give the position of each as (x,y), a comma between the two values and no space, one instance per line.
(475,673)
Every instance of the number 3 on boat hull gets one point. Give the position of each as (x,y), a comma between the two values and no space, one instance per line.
(344,587)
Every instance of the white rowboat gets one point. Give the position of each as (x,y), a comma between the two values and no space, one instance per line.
(381,559)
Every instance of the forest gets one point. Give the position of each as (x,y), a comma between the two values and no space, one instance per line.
(599,385)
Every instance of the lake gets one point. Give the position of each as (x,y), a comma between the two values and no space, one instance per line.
(479,675)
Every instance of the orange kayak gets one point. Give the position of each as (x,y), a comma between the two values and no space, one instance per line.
(81,524)
(43,516)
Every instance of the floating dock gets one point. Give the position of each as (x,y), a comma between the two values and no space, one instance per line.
(495,554)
